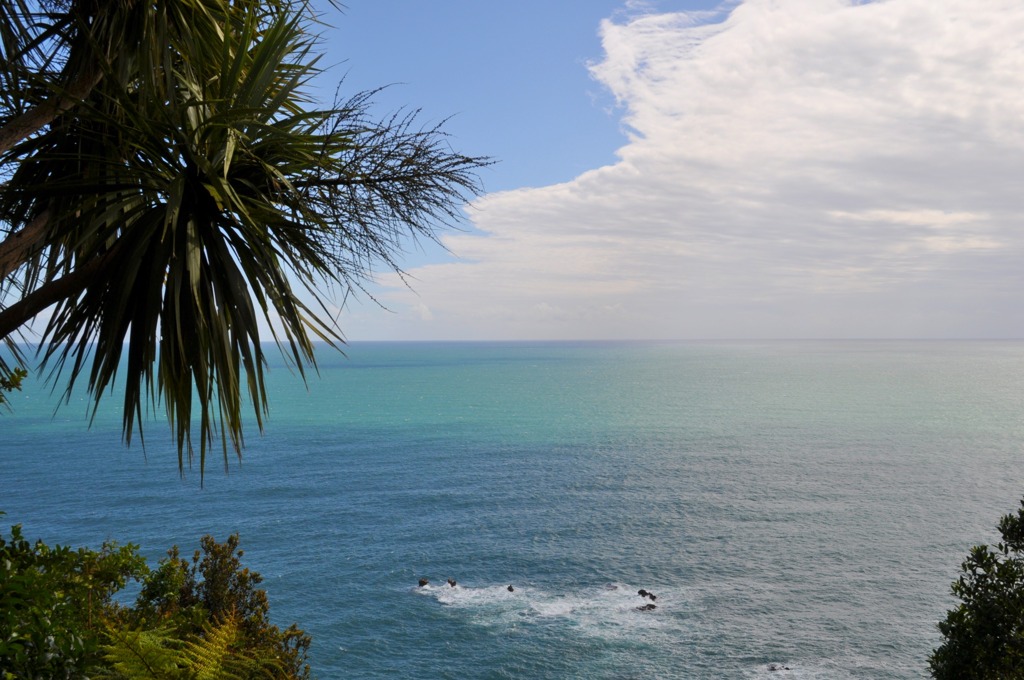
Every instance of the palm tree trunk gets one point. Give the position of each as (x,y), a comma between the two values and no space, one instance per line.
(73,283)
(33,120)
(16,249)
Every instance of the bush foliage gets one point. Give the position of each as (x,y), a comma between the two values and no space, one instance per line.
(203,618)
(984,634)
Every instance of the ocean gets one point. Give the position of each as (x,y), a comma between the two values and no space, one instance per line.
(796,504)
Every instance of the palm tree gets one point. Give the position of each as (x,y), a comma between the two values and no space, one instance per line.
(167,182)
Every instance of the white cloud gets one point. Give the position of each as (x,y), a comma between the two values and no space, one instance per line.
(920,218)
(802,168)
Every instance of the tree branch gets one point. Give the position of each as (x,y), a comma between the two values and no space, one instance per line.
(16,249)
(22,311)
(20,127)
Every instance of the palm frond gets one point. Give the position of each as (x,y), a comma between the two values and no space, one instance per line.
(187,193)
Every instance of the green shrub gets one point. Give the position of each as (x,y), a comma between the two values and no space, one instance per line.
(215,589)
(202,619)
(54,603)
(984,634)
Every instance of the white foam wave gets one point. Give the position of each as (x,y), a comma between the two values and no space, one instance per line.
(604,610)
(793,670)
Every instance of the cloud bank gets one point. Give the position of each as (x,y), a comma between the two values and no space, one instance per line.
(794,168)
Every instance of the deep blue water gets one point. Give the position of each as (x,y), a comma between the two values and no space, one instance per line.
(803,503)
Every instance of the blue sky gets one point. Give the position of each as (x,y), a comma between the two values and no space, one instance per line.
(511,75)
(674,169)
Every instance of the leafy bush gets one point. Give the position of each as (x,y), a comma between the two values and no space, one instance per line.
(984,634)
(199,619)
(215,589)
(54,601)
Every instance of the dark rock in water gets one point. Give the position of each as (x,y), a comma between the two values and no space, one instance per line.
(451,582)
(423,582)
(642,592)
(646,607)
(510,588)
(651,595)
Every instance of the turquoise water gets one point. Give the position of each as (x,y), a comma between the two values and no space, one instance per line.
(798,503)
